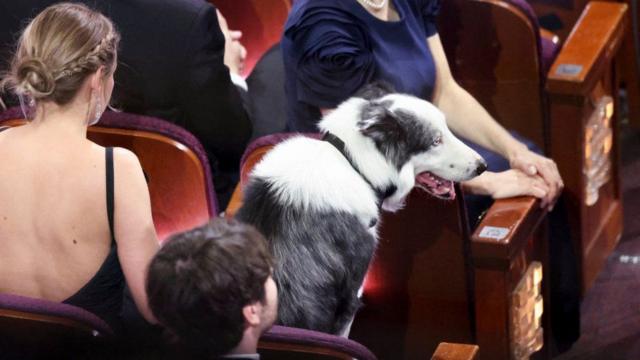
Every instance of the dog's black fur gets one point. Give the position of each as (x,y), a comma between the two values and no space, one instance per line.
(393,133)
(321,259)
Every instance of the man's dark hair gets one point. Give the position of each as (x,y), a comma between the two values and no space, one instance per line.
(201,279)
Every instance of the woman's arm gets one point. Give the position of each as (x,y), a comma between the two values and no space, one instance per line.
(466,117)
(134,230)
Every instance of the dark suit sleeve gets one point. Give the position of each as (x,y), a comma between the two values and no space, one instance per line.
(211,102)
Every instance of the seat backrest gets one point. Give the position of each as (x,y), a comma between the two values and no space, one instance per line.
(261,23)
(257,148)
(494,51)
(252,155)
(292,340)
(40,327)
(50,312)
(174,163)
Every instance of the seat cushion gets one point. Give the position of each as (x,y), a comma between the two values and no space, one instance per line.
(289,335)
(55,309)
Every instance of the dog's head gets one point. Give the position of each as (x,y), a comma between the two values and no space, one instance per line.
(412,134)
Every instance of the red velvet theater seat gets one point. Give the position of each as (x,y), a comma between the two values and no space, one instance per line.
(261,23)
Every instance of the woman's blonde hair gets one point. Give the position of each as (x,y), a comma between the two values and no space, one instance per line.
(58,50)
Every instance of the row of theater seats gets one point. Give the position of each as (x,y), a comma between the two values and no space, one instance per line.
(181,192)
(432,279)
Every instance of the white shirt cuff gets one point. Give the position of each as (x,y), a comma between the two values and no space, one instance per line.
(239,81)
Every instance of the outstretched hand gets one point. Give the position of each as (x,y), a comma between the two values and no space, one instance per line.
(533,164)
(234,52)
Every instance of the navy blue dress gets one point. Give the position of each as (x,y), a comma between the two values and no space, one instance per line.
(331,48)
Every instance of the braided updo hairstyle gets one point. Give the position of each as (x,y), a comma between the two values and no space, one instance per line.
(58,50)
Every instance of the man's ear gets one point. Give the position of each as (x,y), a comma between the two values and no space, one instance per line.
(251,313)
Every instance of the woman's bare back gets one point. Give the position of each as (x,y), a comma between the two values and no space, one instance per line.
(54,232)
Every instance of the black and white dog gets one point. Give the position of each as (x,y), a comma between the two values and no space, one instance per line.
(318,201)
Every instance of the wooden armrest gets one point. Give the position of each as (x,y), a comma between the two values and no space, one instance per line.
(505,229)
(591,45)
(449,351)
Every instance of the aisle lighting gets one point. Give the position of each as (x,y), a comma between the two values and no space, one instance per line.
(598,139)
(526,332)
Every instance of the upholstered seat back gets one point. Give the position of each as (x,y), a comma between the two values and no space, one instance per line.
(36,328)
(261,22)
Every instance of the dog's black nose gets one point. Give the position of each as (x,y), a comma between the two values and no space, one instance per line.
(481,167)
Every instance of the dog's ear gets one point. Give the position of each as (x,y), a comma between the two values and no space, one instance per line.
(380,124)
(375,90)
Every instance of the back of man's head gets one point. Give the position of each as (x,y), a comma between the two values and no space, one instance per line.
(201,280)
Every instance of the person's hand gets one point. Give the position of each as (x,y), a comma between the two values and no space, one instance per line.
(234,52)
(506,184)
(534,164)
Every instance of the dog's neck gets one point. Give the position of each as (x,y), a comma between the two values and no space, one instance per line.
(382,192)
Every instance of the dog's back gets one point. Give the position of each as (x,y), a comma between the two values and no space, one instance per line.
(315,210)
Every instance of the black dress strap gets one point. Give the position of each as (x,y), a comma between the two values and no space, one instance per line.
(102,295)
(109,171)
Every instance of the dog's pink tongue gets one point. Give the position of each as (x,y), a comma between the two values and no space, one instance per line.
(436,186)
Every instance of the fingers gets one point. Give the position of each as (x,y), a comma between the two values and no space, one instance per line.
(539,191)
(559,184)
(243,52)
(525,165)
(549,171)
(240,55)
(533,164)
(235,34)
(222,22)
(531,170)
(537,187)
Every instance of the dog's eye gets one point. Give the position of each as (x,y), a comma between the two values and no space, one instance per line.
(437,140)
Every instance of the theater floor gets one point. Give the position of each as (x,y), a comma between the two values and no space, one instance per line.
(611,309)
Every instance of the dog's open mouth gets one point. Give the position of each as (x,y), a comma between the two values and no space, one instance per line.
(436,186)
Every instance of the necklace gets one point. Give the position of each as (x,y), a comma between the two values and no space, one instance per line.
(373,5)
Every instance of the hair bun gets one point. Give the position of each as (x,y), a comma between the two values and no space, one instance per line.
(33,77)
